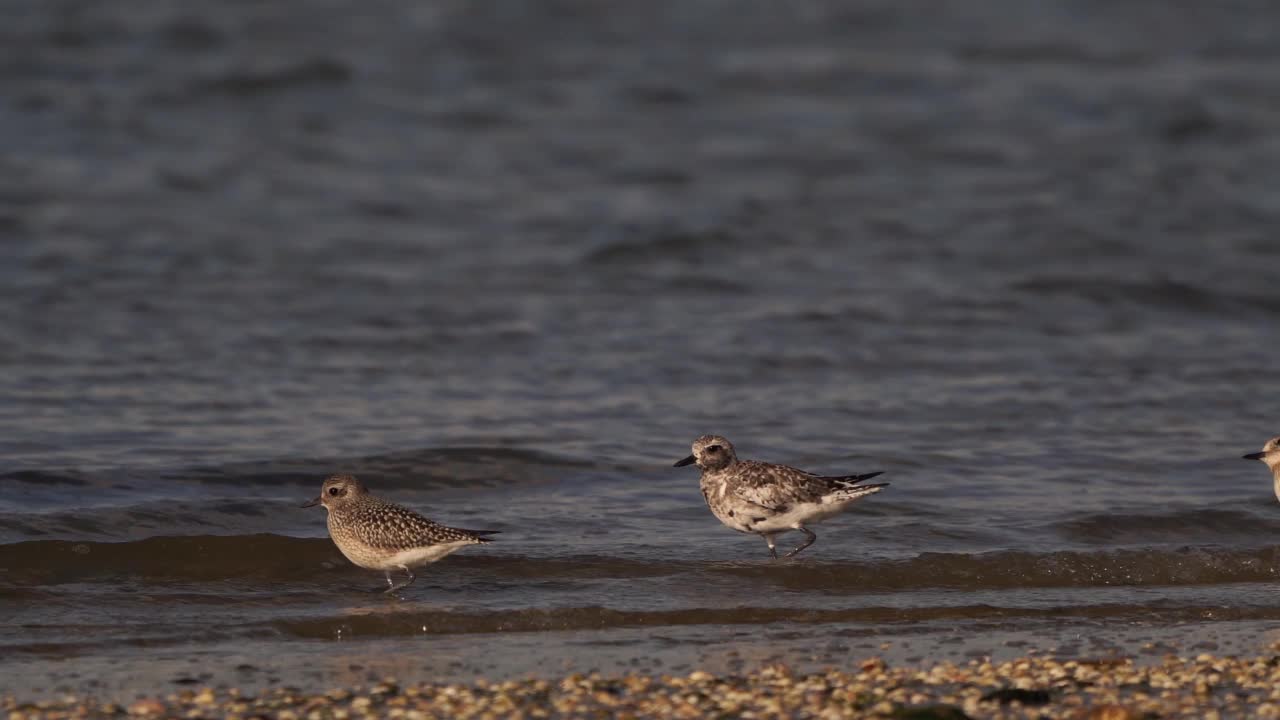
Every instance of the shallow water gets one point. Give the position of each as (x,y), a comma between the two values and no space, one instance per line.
(506,262)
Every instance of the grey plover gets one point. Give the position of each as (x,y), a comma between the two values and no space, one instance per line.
(1271,456)
(767,499)
(380,535)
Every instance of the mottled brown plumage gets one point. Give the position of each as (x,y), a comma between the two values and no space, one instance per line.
(381,535)
(383,526)
(768,499)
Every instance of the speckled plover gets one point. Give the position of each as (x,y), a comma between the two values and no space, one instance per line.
(380,535)
(767,499)
(1271,456)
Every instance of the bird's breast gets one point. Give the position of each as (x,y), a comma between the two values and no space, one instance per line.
(732,514)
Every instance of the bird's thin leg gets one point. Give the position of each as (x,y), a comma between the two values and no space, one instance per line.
(391,585)
(773,551)
(809,537)
(401,585)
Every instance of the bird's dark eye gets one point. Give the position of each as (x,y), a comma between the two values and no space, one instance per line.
(713,448)
(334,491)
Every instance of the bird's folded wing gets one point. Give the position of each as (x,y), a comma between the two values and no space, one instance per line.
(777,487)
(391,527)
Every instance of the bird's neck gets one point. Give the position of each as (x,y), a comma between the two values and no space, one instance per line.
(720,468)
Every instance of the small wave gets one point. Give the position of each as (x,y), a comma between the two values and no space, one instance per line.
(377,623)
(256,81)
(461,466)
(439,467)
(1199,525)
(45,477)
(244,498)
(198,558)
(383,620)
(1013,569)
(1025,54)
(1158,292)
(192,35)
(276,558)
(678,245)
(135,521)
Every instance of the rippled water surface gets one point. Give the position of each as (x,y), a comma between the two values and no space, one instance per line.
(505,261)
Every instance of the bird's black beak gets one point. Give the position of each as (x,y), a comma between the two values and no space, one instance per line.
(687,461)
(1254,456)
(313,503)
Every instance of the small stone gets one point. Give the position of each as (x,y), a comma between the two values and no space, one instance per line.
(871,665)
(930,712)
(147,706)
(1110,712)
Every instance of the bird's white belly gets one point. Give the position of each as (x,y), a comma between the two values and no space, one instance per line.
(796,515)
(754,519)
(418,556)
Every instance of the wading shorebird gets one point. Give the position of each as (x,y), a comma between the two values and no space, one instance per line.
(1271,456)
(767,499)
(379,535)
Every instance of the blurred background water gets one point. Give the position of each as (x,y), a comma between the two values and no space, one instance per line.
(506,260)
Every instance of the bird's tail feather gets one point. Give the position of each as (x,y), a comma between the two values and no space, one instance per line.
(851,479)
(853,492)
(481,535)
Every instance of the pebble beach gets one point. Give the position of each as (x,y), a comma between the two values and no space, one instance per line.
(1204,686)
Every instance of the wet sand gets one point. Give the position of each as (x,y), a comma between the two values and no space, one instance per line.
(1203,686)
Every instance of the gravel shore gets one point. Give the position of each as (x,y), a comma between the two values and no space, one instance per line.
(1201,687)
